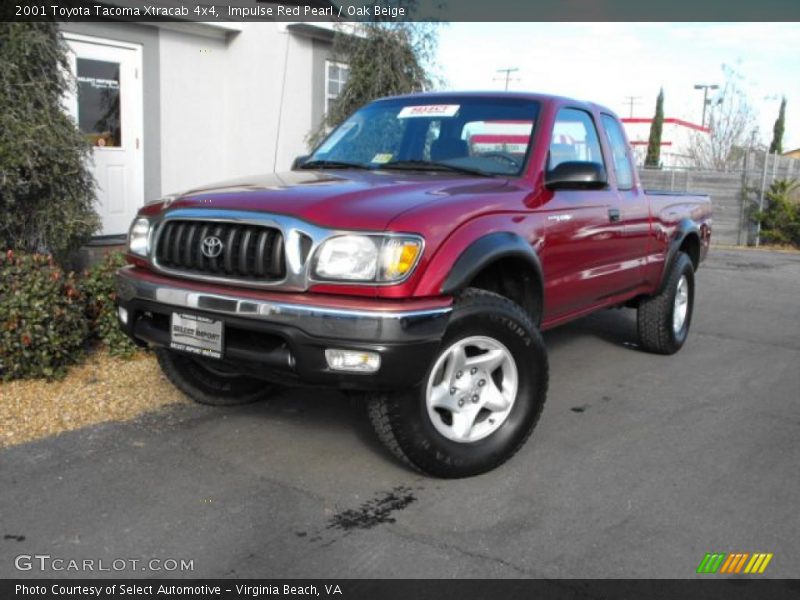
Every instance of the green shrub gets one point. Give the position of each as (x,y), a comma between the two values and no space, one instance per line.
(97,286)
(780,220)
(46,188)
(42,324)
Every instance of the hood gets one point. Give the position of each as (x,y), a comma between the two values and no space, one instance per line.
(339,199)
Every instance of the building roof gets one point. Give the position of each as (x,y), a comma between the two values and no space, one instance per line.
(317,32)
(670,120)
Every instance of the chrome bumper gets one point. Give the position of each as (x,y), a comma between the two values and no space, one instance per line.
(346,324)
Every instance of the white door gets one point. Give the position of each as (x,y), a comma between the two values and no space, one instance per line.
(107,106)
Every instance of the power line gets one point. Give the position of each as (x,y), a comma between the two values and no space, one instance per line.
(631,101)
(507,77)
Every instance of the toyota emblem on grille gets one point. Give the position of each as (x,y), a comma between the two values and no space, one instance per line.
(212,246)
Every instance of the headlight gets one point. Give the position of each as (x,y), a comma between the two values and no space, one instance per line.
(139,237)
(369,258)
(349,257)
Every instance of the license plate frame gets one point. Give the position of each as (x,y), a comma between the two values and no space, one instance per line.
(197,334)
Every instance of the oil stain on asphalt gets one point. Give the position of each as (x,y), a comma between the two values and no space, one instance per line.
(380,509)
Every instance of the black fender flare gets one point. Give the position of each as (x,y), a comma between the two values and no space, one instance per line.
(685,228)
(486,250)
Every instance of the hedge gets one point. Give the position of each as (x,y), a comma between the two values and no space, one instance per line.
(97,287)
(49,317)
(43,325)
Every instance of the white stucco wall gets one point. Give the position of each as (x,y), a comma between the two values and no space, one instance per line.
(296,122)
(221,102)
(193,110)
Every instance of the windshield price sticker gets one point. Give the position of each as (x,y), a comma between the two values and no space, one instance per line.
(429,110)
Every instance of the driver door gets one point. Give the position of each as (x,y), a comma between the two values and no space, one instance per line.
(582,226)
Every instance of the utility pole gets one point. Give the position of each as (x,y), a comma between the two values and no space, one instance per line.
(705,87)
(631,101)
(507,77)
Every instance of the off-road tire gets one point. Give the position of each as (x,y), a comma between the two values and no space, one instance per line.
(401,420)
(654,314)
(202,385)
(378,413)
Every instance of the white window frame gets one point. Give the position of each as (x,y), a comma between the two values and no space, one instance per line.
(328,96)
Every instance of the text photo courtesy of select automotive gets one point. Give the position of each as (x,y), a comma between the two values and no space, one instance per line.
(349,298)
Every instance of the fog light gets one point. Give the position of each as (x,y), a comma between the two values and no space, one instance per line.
(123,315)
(353,360)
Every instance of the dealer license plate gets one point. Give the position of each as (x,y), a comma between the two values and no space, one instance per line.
(196,334)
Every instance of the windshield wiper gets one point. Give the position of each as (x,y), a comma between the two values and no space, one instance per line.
(427,165)
(332,164)
(411,165)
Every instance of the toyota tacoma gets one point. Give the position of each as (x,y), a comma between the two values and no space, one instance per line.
(415,256)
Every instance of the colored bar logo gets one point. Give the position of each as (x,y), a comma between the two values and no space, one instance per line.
(734,563)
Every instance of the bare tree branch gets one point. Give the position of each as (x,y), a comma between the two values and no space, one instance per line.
(732,121)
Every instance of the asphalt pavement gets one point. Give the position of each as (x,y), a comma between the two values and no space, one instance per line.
(640,465)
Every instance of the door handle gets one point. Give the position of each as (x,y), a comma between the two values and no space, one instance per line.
(613,215)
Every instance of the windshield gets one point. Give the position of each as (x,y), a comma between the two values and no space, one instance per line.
(483,136)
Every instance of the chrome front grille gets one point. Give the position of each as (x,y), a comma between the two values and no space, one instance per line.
(248,252)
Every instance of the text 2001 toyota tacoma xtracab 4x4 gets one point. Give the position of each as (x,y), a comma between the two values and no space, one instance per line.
(416,255)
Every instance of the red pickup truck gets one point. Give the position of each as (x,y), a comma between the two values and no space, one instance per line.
(416,255)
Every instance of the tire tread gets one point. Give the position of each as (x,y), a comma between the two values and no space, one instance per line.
(173,373)
(378,407)
(654,314)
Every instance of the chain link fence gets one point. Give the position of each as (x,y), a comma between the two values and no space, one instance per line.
(735,194)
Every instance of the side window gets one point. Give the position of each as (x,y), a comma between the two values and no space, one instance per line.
(619,150)
(574,138)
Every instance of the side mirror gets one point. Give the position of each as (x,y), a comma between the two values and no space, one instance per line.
(298,162)
(576,175)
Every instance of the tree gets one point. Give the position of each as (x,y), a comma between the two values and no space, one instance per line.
(46,188)
(780,220)
(776,147)
(732,126)
(384,59)
(653,158)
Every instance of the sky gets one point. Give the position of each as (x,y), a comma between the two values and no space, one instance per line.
(606,62)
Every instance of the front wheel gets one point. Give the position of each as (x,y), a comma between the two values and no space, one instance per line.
(481,397)
(210,383)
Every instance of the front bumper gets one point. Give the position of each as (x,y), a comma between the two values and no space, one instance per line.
(283,337)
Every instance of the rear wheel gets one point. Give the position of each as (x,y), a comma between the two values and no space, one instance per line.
(663,320)
(210,383)
(481,397)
